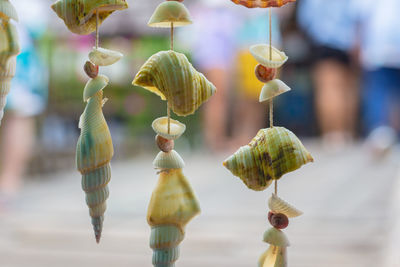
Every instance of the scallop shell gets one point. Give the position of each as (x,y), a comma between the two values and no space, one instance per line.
(278,205)
(173,202)
(6,75)
(261,53)
(276,237)
(272,89)
(93,86)
(168,160)
(262,3)
(9,44)
(272,153)
(170,12)
(171,76)
(93,155)
(7,11)
(165,240)
(104,57)
(80,15)
(160,126)
(274,257)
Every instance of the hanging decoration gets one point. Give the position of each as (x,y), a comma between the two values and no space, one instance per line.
(170,75)
(274,151)
(9,49)
(94,149)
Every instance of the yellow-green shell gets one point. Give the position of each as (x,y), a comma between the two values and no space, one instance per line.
(6,74)
(272,153)
(9,44)
(80,15)
(7,11)
(273,257)
(171,76)
(170,12)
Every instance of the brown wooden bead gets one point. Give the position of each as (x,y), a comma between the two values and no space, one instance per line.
(279,221)
(265,74)
(165,145)
(91,70)
(270,214)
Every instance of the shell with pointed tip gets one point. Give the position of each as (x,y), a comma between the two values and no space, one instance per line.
(104,57)
(170,12)
(80,15)
(93,155)
(7,11)
(6,75)
(273,257)
(160,126)
(93,86)
(9,43)
(278,205)
(272,89)
(276,237)
(171,76)
(168,160)
(262,3)
(165,240)
(261,53)
(272,153)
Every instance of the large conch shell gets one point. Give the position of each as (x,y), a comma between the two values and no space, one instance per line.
(93,155)
(80,15)
(170,12)
(173,204)
(262,53)
(272,153)
(262,3)
(7,11)
(278,205)
(171,76)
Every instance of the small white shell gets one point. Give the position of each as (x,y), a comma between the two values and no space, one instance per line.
(104,57)
(272,89)
(94,85)
(278,205)
(160,126)
(261,53)
(276,237)
(170,160)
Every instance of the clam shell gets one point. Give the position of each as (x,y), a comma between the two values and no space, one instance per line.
(168,160)
(173,201)
(165,240)
(272,89)
(104,57)
(262,3)
(7,11)
(171,76)
(93,86)
(272,153)
(274,257)
(276,237)
(80,15)
(278,205)
(261,53)
(168,12)
(9,44)
(160,126)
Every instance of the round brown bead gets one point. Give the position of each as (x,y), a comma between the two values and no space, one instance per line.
(165,145)
(91,70)
(265,74)
(279,221)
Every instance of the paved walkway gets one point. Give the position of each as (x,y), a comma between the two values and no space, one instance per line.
(347,199)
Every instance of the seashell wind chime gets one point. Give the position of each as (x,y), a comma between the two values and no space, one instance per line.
(170,75)
(274,151)
(94,149)
(9,49)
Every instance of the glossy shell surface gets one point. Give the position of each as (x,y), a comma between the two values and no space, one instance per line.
(262,3)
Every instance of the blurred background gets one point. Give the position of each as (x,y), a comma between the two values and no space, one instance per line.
(344,71)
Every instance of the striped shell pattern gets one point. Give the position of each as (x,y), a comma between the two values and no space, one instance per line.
(262,3)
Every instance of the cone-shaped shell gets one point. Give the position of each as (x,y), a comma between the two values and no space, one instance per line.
(168,160)
(80,15)
(272,153)
(262,3)
(273,257)
(9,43)
(173,202)
(261,53)
(104,57)
(171,76)
(93,86)
(276,237)
(278,205)
(272,89)
(164,241)
(7,11)
(170,12)
(160,126)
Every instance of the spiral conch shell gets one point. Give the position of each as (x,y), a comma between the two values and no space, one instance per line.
(272,153)
(170,12)
(94,152)
(80,15)
(262,3)
(171,76)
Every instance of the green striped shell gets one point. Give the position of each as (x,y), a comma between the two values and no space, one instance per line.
(6,75)
(7,11)
(9,44)
(80,15)
(165,240)
(171,76)
(272,153)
